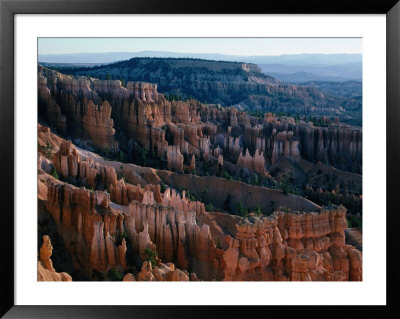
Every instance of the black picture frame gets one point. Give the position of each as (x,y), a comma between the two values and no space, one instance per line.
(9,8)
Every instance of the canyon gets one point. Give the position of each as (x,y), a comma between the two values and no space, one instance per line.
(134,186)
(140,114)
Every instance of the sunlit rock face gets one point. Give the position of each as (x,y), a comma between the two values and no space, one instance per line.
(99,126)
(174,159)
(293,247)
(45,270)
(161,272)
(284,246)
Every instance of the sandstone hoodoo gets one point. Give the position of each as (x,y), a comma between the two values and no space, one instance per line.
(46,271)
(138,185)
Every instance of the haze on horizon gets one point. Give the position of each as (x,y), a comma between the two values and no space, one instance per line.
(224,46)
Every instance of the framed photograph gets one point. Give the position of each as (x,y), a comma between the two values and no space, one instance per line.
(233,156)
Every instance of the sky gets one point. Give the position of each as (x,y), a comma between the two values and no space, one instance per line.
(228,46)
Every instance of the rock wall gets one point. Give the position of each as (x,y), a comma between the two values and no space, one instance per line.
(174,159)
(46,271)
(96,231)
(137,118)
(338,144)
(161,272)
(293,247)
(172,227)
(88,226)
(284,145)
(256,163)
(134,108)
(98,124)
(82,171)
(49,108)
(69,104)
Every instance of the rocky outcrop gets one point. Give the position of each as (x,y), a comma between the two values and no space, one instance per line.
(85,171)
(284,145)
(97,232)
(68,103)
(138,119)
(46,271)
(192,165)
(82,171)
(177,137)
(220,160)
(133,108)
(114,91)
(44,164)
(205,145)
(49,108)
(162,272)
(337,144)
(174,159)
(123,194)
(66,160)
(172,227)
(45,252)
(90,228)
(232,146)
(256,163)
(181,112)
(294,247)
(98,124)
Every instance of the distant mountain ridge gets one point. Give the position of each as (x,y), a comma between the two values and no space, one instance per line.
(303,77)
(289,59)
(222,82)
(347,71)
(348,66)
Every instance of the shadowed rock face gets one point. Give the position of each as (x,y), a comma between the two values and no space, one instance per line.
(338,144)
(225,193)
